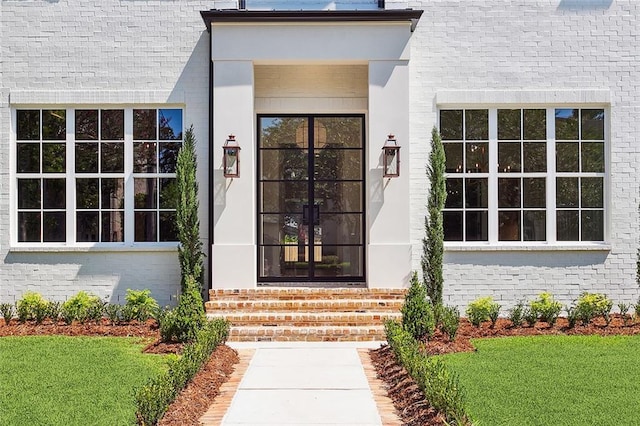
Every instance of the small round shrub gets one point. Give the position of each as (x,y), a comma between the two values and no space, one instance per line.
(546,308)
(81,307)
(32,306)
(141,305)
(482,309)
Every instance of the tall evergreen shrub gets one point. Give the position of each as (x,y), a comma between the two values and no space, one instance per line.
(433,243)
(183,323)
(190,252)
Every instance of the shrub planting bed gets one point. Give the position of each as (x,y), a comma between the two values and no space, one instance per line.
(403,390)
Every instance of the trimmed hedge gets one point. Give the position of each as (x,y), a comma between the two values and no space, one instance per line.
(153,399)
(439,385)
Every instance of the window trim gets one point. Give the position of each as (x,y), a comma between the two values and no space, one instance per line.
(551,243)
(70,177)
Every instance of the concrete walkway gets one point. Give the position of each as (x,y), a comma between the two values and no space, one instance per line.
(303,384)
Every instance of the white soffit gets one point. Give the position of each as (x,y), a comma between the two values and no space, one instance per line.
(310,36)
(331,42)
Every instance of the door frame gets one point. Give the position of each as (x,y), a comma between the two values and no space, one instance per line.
(311,278)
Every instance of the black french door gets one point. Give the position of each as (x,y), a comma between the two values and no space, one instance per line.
(311,198)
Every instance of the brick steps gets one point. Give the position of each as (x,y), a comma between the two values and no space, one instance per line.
(306,314)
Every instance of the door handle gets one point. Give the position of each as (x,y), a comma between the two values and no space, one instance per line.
(315,219)
(305,214)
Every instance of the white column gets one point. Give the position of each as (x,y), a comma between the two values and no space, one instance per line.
(389,246)
(234,208)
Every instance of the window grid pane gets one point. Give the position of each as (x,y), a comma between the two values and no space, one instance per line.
(157,138)
(465,135)
(41,175)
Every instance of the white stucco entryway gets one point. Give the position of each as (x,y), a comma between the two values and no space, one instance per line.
(318,66)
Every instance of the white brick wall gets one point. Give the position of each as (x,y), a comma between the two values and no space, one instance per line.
(541,45)
(458,45)
(96,46)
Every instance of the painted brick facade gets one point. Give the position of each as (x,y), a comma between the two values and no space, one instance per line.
(549,45)
(133,53)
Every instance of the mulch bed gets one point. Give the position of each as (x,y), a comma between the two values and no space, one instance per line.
(407,397)
(194,400)
(103,328)
(199,394)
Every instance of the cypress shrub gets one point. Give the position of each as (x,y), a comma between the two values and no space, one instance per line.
(433,243)
(190,252)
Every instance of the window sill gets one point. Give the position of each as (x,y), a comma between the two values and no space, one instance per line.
(527,247)
(172,247)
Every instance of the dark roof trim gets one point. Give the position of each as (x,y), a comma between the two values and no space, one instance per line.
(302,16)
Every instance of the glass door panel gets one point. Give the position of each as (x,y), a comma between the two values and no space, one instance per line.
(310,198)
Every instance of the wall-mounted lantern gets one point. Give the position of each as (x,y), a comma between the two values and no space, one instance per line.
(231,158)
(391,157)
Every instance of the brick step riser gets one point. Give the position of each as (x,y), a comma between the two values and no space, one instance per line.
(303,306)
(240,334)
(306,323)
(305,320)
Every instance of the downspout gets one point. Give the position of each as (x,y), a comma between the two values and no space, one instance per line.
(211,166)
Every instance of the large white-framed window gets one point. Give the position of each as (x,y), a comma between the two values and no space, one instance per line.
(96,175)
(531,175)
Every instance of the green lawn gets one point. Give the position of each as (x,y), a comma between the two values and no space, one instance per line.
(59,380)
(552,380)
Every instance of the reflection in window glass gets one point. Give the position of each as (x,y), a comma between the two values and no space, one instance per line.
(535,157)
(144,124)
(476,124)
(477,157)
(477,226)
(28,158)
(567,158)
(451,125)
(509,226)
(592,124)
(53,157)
(86,125)
(509,157)
(28,125)
(535,124)
(509,124)
(86,157)
(112,124)
(54,125)
(566,124)
(170,124)
(453,155)
(593,157)
(508,192)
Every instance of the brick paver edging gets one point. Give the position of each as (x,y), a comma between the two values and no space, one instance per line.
(217,410)
(385,406)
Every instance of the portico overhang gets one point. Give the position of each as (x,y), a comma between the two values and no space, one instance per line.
(310,63)
(308,16)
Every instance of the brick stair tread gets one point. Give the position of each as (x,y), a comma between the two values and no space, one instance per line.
(285,293)
(318,333)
